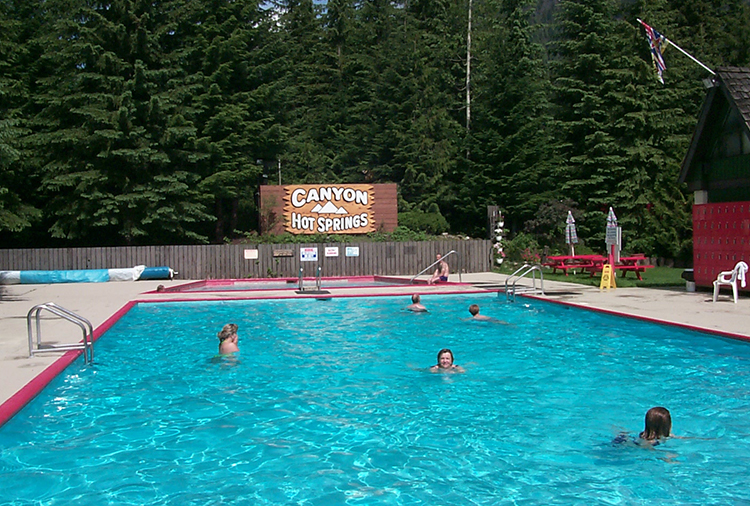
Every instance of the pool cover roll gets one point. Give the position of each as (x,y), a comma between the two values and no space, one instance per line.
(85,275)
(157,273)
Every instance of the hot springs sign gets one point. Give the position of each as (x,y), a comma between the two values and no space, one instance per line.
(314,209)
(329,208)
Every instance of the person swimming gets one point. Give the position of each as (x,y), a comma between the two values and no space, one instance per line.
(658,427)
(474,310)
(416,305)
(445,362)
(228,339)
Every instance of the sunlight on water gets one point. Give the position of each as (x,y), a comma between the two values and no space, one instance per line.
(331,402)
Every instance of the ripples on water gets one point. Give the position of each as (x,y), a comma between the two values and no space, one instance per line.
(331,402)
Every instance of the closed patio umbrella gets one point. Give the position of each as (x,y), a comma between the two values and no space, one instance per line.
(571,237)
(613,238)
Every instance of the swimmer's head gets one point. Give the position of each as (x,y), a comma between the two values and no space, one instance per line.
(658,424)
(474,309)
(228,331)
(445,358)
(415,298)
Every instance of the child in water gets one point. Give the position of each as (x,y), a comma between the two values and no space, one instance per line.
(658,427)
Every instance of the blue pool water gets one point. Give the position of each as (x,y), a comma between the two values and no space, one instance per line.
(330,403)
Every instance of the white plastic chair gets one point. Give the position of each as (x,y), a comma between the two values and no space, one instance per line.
(730,278)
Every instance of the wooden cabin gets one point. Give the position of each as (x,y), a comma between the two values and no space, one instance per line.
(717,170)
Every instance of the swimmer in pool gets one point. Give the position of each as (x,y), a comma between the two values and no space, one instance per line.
(416,305)
(445,362)
(474,310)
(658,428)
(658,425)
(228,339)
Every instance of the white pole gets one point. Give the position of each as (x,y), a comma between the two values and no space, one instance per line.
(690,56)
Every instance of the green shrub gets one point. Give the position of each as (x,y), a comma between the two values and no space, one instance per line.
(418,221)
(522,248)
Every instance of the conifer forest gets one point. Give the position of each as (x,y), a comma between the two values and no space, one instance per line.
(137,122)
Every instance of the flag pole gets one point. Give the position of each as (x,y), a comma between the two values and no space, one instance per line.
(690,56)
(684,52)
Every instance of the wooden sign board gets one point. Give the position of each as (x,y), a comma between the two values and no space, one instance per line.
(328,208)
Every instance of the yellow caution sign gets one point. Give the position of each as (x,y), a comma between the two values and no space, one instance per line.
(608,278)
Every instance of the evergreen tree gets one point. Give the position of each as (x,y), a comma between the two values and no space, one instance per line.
(103,114)
(511,140)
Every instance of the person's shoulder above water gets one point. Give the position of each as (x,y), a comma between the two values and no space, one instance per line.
(228,339)
(416,304)
(445,362)
(475,315)
(658,427)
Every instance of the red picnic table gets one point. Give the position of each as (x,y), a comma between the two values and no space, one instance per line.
(626,264)
(564,263)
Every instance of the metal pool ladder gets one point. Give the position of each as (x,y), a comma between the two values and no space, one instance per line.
(317,279)
(524,270)
(88,331)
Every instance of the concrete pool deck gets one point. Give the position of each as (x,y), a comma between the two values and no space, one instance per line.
(98,302)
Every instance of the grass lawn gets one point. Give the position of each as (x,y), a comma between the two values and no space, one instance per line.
(658,276)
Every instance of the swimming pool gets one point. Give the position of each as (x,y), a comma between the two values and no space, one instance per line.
(330,402)
(221,285)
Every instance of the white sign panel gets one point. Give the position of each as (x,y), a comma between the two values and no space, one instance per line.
(251,254)
(332,251)
(308,254)
(352,251)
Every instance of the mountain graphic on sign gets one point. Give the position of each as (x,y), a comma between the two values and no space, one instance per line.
(329,208)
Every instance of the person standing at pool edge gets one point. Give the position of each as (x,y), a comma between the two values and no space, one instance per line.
(441,273)
(228,339)
(445,362)
(416,305)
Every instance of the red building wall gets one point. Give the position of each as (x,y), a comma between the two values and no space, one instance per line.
(721,238)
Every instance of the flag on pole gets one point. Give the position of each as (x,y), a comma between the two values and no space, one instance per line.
(658,43)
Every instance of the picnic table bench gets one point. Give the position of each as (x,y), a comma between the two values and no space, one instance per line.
(595,263)
(565,263)
(626,264)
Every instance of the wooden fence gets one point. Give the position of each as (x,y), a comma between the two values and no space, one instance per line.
(236,261)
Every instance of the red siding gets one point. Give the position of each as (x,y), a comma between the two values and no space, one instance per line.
(721,238)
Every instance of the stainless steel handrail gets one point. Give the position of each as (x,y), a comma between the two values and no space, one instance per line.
(443,257)
(517,275)
(318,272)
(88,331)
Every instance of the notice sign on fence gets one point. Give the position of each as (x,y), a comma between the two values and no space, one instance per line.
(352,251)
(332,251)
(308,254)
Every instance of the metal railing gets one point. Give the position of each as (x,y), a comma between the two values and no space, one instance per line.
(87,345)
(433,264)
(301,282)
(521,272)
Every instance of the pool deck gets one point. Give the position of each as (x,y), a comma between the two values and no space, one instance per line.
(102,303)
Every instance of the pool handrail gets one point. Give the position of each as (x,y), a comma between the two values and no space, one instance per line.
(517,275)
(301,282)
(443,257)
(88,331)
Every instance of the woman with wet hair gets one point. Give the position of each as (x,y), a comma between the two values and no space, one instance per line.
(658,424)
(445,362)
(228,339)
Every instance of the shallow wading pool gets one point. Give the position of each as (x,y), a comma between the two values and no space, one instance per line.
(331,402)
